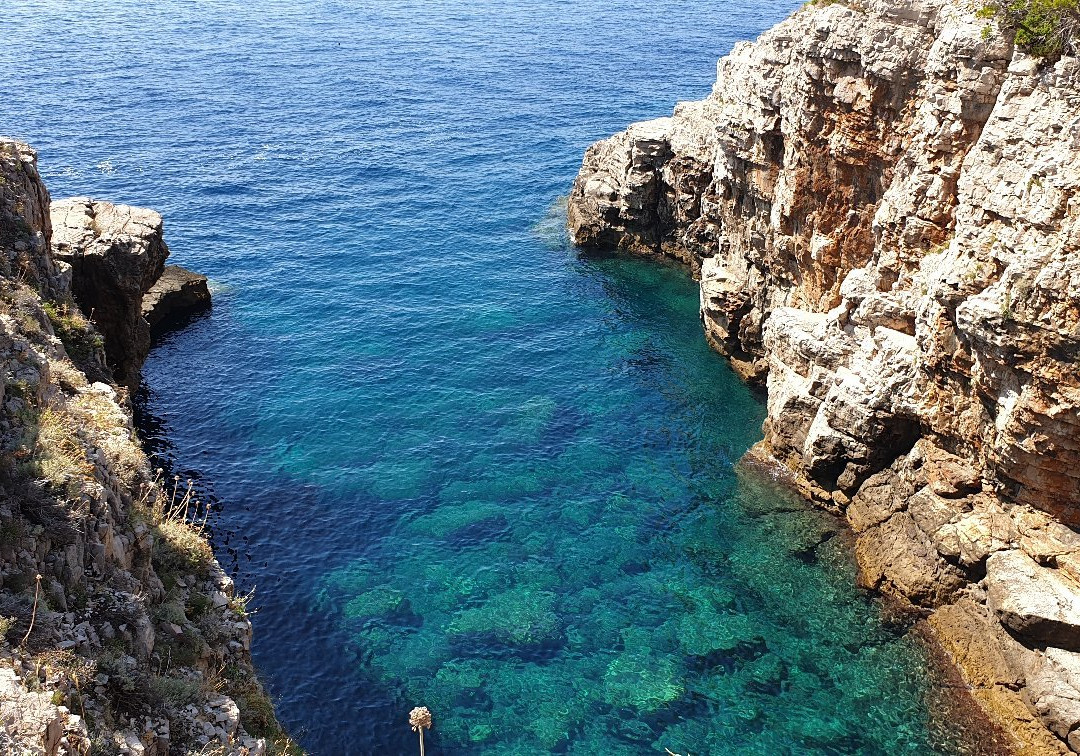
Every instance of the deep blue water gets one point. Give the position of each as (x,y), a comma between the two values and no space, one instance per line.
(464,466)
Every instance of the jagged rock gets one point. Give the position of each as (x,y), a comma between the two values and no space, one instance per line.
(117,252)
(990,663)
(92,528)
(24,220)
(880,203)
(175,296)
(1033,602)
(894,195)
(1053,685)
(973,536)
(898,558)
(31,723)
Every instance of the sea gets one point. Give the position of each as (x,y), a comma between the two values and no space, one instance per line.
(459,463)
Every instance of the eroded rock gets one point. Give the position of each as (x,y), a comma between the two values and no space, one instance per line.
(1033,602)
(880,204)
(117,252)
(177,295)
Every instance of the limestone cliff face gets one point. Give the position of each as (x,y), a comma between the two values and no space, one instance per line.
(119,632)
(881,204)
(117,253)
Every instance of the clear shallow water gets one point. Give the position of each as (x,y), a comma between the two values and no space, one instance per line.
(464,467)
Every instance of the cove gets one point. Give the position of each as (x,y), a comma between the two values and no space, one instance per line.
(463,466)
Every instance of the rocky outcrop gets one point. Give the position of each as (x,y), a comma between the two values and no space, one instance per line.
(117,252)
(118,629)
(25,225)
(879,201)
(176,296)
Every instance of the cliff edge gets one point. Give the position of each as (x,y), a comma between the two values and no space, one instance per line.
(880,201)
(119,631)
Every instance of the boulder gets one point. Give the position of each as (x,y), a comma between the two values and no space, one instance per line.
(1053,687)
(175,297)
(24,215)
(898,558)
(991,667)
(1035,603)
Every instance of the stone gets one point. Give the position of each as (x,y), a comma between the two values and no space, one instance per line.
(991,664)
(175,297)
(952,477)
(898,558)
(878,212)
(879,203)
(116,252)
(1053,686)
(25,225)
(1033,602)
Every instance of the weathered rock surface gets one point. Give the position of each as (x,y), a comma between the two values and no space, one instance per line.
(177,295)
(1032,601)
(23,712)
(987,660)
(880,203)
(117,252)
(24,221)
(109,604)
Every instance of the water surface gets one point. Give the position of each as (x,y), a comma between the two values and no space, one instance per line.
(464,466)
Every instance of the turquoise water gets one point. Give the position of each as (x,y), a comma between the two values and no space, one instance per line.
(464,466)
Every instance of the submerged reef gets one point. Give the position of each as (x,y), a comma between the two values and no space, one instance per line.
(879,201)
(119,631)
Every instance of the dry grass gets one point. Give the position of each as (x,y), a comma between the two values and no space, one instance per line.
(180,543)
(181,549)
(83,344)
(102,417)
(60,451)
(175,692)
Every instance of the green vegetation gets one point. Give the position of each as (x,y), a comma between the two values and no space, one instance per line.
(80,339)
(180,545)
(1047,28)
(175,692)
(257,712)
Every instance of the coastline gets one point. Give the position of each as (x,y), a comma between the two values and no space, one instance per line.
(121,632)
(871,198)
(954,695)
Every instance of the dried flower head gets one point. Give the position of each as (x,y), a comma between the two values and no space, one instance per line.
(420,718)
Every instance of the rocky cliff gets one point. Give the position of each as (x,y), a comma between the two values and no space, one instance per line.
(119,632)
(880,201)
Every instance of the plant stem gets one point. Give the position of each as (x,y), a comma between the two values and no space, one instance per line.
(421,741)
(33,616)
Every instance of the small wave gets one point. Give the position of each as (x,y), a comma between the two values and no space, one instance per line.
(551,228)
(218,287)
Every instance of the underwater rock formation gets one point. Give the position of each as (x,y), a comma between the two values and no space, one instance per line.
(879,201)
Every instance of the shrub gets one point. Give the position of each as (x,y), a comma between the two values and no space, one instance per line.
(180,549)
(257,713)
(61,455)
(1047,28)
(175,692)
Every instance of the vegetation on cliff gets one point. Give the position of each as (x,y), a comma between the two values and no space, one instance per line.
(1047,28)
(119,631)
